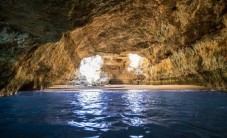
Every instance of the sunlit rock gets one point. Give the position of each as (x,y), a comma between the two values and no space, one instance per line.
(182,42)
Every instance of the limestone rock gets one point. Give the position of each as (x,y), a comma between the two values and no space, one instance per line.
(183,41)
(49,19)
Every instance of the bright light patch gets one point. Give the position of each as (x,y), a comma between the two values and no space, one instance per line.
(135,61)
(91,68)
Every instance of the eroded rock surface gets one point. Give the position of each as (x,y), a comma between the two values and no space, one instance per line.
(183,41)
(49,19)
(27,64)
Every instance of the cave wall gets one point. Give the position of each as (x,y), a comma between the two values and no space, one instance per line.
(49,19)
(184,41)
(27,64)
(115,66)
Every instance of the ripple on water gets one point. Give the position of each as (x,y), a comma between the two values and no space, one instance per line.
(134,114)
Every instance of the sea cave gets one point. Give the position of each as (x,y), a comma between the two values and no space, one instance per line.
(113,68)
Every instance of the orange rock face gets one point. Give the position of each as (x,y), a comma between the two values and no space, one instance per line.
(183,42)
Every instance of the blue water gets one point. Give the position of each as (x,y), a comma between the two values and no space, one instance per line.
(114,114)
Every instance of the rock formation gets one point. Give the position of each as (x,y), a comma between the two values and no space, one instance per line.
(43,42)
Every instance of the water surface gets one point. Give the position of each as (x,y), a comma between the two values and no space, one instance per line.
(114,114)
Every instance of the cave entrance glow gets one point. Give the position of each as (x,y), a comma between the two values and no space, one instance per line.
(135,63)
(90,71)
(90,68)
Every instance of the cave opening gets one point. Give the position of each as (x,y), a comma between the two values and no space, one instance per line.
(90,71)
(135,63)
(137,68)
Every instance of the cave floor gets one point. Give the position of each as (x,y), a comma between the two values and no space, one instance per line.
(124,87)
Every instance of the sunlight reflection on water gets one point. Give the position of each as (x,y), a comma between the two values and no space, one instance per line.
(90,103)
(98,113)
(95,110)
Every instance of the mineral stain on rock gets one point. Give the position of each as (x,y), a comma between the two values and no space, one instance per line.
(43,42)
